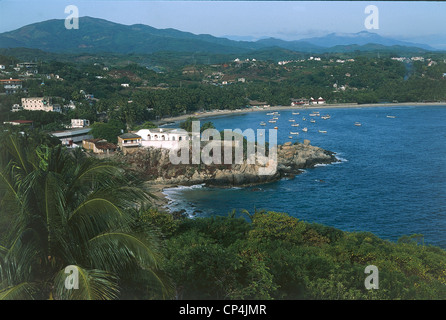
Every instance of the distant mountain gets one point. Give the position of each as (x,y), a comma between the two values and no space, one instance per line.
(361,38)
(99,36)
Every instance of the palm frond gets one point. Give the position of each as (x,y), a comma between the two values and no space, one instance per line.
(93,284)
(117,250)
(21,291)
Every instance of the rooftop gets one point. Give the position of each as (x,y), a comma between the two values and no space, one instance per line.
(129,135)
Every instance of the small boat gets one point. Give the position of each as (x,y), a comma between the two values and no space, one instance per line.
(270,113)
(322,131)
(295,125)
(390,117)
(304,119)
(276,128)
(294,132)
(290,137)
(291,120)
(262,123)
(313,114)
(305,129)
(295,112)
(272,121)
(313,121)
(357,124)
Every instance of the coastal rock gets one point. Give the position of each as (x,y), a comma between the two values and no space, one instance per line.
(154,165)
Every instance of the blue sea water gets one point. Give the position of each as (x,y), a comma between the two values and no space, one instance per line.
(391,180)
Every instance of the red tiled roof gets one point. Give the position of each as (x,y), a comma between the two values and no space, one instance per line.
(22,121)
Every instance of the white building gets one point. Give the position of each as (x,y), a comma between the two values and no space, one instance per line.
(16,107)
(79,123)
(320,100)
(11,85)
(166,138)
(39,104)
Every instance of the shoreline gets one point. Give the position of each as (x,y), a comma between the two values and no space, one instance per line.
(161,201)
(210,114)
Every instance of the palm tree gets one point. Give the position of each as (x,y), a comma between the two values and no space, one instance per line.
(66,209)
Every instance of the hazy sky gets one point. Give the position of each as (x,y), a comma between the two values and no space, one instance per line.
(289,20)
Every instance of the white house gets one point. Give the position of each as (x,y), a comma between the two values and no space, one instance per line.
(166,138)
(39,104)
(320,100)
(79,123)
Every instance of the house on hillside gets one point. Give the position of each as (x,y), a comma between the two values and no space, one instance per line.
(166,138)
(20,123)
(40,104)
(99,146)
(129,142)
(11,86)
(79,123)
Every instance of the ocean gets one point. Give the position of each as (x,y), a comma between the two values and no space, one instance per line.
(391,180)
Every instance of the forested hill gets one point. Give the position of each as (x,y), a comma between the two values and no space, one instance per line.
(98,36)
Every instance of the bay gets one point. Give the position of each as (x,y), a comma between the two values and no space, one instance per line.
(391,180)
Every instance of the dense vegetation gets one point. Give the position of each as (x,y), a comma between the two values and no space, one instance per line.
(153,93)
(271,255)
(61,208)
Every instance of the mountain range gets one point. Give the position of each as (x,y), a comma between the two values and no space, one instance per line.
(97,35)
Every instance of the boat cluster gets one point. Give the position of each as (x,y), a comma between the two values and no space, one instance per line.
(275,116)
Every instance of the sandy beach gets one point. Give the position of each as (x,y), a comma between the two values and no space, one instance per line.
(278,108)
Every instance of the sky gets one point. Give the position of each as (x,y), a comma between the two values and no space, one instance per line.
(424,22)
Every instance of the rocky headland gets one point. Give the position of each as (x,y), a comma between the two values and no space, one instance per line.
(155,167)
